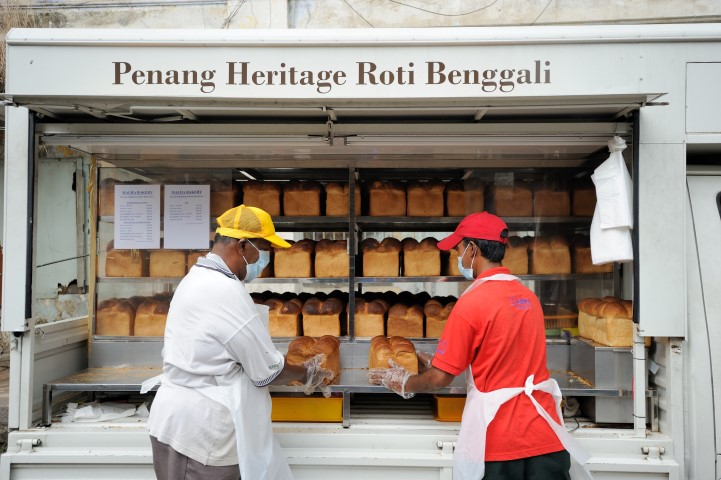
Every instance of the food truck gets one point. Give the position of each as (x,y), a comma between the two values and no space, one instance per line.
(413,128)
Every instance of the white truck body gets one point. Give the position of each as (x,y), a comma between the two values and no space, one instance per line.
(666,76)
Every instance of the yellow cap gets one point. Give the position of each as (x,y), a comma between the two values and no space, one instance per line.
(249,222)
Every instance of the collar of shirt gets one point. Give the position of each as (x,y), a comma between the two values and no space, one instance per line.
(493,271)
(214,262)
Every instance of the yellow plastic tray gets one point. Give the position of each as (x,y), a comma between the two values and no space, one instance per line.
(307,409)
(448,408)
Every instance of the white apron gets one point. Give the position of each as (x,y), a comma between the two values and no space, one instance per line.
(481,409)
(259,454)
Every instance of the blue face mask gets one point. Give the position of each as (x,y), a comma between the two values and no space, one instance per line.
(252,270)
(466,272)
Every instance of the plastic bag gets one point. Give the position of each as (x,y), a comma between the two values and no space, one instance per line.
(97,412)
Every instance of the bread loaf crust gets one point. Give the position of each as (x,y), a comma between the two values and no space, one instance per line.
(516,257)
(582,260)
(425,199)
(301,199)
(405,321)
(387,199)
(464,197)
(584,201)
(331,259)
(264,195)
(284,317)
(150,318)
(322,317)
(511,201)
(436,315)
(550,255)
(127,263)
(296,261)
(548,202)
(168,263)
(337,199)
(369,320)
(396,348)
(302,349)
(115,317)
(421,259)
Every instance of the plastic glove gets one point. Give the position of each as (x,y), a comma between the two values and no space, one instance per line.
(424,361)
(393,378)
(316,376)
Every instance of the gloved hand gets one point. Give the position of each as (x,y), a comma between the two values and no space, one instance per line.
(424,361)
(393,378)
(316,375)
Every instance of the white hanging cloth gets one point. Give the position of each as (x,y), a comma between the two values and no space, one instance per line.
(613,218)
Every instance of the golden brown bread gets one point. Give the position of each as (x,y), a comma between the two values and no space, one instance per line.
(301,199)
(381,259)
(548,202)
(115,317)
(322,317)
(284,317)
(550,255)
(302,349)
(425,199)
(150,318)
(337,199)
(405,321)
(167,263)
(436,315)
(126,263)
(331,259)
(584,201)
(370,316)
(387,199)
(511,201)
(264,195)
(464,197)
(582,260)
(607,321)
(421,259)
(396,348)
(516,257)
(222,197)
(296,261)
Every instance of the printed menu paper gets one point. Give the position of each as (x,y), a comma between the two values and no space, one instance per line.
(186,216)
(137,217)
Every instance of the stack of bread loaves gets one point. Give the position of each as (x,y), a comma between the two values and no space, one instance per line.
(331,258)
(387,199)
(405,321)
(607,320)
(296,261)
(322,317)
(399,349)
(264,195)
(425,199)
(421,259)
(381,259)
(337,200)
(284,317)
(436,316)
(370,316)
(301,199)
(302,349)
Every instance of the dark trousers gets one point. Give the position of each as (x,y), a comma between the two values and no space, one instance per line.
(171,465)
(552,466)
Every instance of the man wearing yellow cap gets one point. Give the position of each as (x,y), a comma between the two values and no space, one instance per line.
(211,416)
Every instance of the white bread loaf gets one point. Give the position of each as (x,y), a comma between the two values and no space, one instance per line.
(322,317)
(387,199)
(301,199)
(548,202)
(168,263)
(115,317)
(370,316)
(302,349)
(222,197)
(337,199)
(284,317)
(150,318)
(436,314)
(516,257)
(126,263)
(331,259)
(511,201)
(425,199)
(464,197)
(405,321)
(550,255)
(264,195)
(421,259)
(296,261)
(381,259)
(400,350)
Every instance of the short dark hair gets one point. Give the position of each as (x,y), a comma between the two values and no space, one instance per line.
(493,251)
(223,240)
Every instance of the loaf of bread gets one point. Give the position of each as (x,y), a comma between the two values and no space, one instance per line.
(301,199)
(126,263)
(222,197)
(337,199)
(387,199)
(607,321)
(548,202)
(582,261)
(168,263)
(400,350)
(302,349)
(584,201)
(405,321)
(425,199)
(511,201)
(370,317)
(150,318)
(322,317)
(381,259)
(296,261)
(284,317)
(516,257)
(550,255)
(115,317)
(193,257)
(264,195)
(421,259)
(331,259)
(464,197)
(436,314)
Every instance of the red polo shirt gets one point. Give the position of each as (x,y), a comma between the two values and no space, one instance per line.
(498,329)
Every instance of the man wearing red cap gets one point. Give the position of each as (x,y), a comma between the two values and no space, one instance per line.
(495,334)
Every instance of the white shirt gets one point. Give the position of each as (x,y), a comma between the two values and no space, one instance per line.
(213,328)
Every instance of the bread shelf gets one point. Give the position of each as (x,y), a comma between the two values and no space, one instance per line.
(443,224)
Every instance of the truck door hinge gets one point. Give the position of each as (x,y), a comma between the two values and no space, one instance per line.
(653,453)
(446,447)
(26,444)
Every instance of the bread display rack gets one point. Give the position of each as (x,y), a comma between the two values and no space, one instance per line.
(140,356)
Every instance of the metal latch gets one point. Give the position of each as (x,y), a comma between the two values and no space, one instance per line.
(446,447)
(26,444)
(653,453)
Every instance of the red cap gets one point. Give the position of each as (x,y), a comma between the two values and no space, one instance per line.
(481,226)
